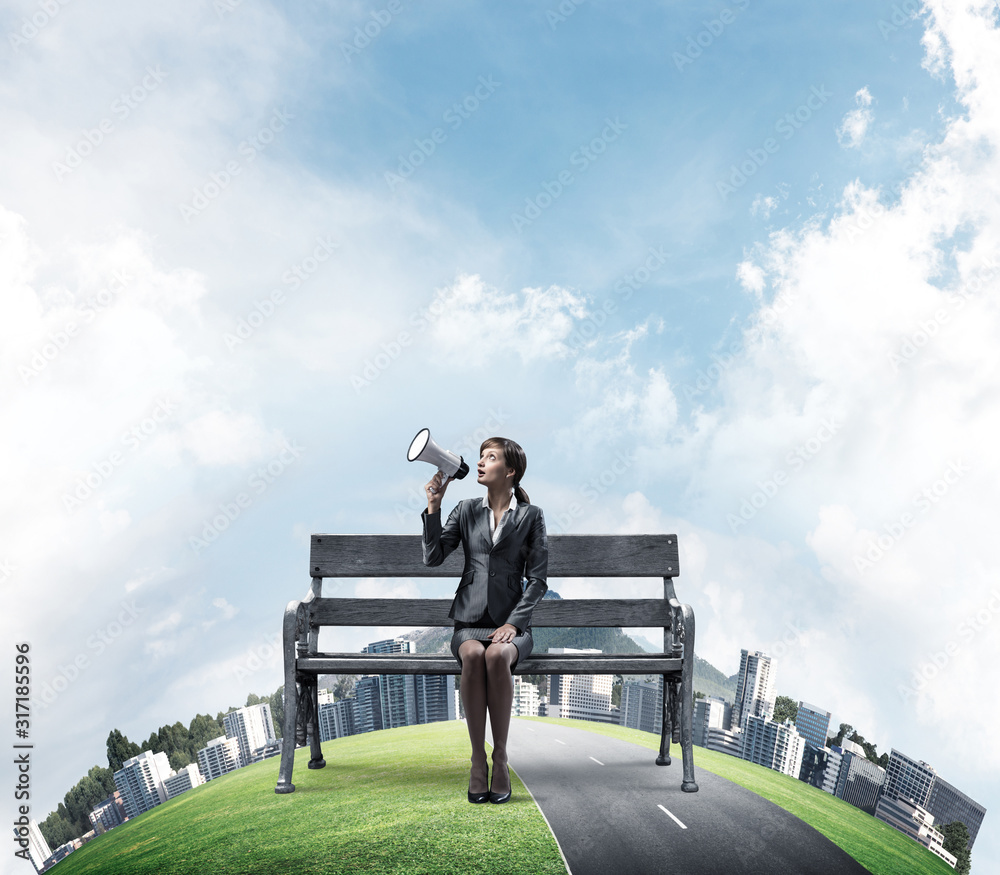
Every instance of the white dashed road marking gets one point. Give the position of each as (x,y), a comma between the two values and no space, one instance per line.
(671,816)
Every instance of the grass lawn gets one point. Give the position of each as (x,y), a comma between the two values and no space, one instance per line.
(387,802)
(874,844)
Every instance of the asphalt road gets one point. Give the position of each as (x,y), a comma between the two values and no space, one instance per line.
(613,810)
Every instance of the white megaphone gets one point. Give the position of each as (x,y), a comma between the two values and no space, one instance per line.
(423,449)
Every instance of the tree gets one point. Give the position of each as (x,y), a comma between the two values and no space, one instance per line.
(785,709)
(956,841)
(120,749)
(845,730)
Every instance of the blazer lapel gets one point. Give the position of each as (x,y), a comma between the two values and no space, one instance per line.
(510,525)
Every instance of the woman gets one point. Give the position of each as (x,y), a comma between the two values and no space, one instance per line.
(504,539)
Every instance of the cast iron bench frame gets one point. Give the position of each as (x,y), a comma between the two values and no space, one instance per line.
(386,556)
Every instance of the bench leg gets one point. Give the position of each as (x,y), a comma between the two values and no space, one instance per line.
(688,784)
(310,701)
(285,784)
(665,729)
(291,701)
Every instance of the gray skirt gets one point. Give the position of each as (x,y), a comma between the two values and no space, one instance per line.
(522,642)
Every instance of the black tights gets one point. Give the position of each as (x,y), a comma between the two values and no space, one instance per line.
(487,684)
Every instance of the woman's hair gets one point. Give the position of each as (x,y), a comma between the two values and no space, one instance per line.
(513,457)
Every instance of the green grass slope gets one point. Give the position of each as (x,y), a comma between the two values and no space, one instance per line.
(387,802)
(874,844)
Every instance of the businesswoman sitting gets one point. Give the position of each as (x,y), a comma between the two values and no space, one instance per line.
(504,539)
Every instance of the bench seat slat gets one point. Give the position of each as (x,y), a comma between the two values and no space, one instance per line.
(542,663)
(628,613)
(569,556)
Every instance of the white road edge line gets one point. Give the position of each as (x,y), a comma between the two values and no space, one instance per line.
(597,761)
(557,741)
(549,825)
(671,816)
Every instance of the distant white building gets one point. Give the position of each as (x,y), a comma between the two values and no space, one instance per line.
(710,712)
(728,741)
(755,695)
(219,757)
(776,746)
(252,727)
(581,696)
(109,812)
(140,781)
(38,848)
(526,699)
(917,823)
(188,777)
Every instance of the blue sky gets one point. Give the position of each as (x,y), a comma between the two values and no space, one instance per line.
(734,263)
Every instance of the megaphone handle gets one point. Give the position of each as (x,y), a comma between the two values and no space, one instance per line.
(444,479)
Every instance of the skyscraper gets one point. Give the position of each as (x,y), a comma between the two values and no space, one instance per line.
(581,696)
(755,688)
(908,779)
(813,724)
(776,746)
(860,781)
(948,804)
(642,705)
(252,727)
(368,710)
(140,781)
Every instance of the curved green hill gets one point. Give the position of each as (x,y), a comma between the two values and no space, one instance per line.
(387,802)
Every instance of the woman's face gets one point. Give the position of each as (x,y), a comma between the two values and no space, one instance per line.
(493,471)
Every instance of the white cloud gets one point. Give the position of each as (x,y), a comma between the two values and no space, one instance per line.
(855,124)
(474,320)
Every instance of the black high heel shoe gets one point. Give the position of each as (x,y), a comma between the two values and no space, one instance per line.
(477,798)
(500,798)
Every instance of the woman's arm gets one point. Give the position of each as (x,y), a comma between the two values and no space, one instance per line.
(437,543)
(536,570)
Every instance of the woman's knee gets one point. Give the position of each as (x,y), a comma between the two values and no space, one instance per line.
(471,653)
(500,656)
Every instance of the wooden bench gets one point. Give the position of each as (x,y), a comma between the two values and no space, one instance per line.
(381,556)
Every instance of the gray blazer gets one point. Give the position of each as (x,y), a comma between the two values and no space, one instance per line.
(493,572)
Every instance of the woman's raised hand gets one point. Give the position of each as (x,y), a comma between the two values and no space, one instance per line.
(435,491)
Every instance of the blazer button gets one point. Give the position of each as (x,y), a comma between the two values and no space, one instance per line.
(493,574)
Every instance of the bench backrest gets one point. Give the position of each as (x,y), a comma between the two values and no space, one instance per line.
(569,556)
